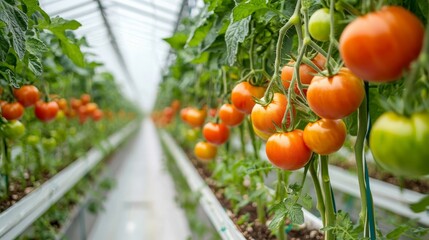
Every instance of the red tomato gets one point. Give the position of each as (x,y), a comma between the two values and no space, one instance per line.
(337,96)
(205,151)
(175,105)
(85,98)
(46,111)
(268,118)
(27,95)
(75,103)
(242,96)
(195,117)
(306,73)
(212,112)
(168,112)
(97,115)
(325,136)
(287,150)
(378,46)
(216,133)
(230,115)
(90,108)
(12,111)
(62,103)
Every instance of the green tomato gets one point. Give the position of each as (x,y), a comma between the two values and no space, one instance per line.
(72,131)
(49,143)
(191,135)
(319,24)
(33,140)
(400,144)
(14,129)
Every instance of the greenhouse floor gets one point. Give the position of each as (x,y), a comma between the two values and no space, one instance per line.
(142,204)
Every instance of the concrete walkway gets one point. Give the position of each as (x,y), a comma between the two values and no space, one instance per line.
(142,204)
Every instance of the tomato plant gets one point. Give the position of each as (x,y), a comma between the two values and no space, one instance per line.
(230,115)
(399,143)
(27,95)
(379,46)
(49,143)
(85,99)
(337,96)
(12,111)
(216,133)
(205,151)
(287,150)
(325,136)
(269,118)
(46,111)
(242,96)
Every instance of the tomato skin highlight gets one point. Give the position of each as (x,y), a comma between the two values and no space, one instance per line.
(12,111)
(205,151)
(216,133)
(268,118)
(325,136)
(400,144)
(46,111)
(335,97)
(242,96)
(287,150)
(27,95)
(378,46)
(230,115)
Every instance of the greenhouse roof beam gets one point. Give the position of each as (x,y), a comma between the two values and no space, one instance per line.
(74,7)
(117,50)
(155,6)
(143,12)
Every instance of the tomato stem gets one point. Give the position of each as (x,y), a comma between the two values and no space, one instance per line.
(359,156)
(252,43)
(6,164)
(318,188)
(332,39)
(329,203)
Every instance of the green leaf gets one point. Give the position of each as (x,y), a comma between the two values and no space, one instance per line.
(421,205)
(60,25)
(247,8)
(279,217)
(177,41)
(307,201)
(203,27)
(295,213)
(33,6)
(235,34)
(203,58)
(214,4)
(35,65)
(396,233)
(36,46)
(16,24)
(4,47)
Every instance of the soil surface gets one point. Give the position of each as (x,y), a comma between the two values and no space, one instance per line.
(252,229)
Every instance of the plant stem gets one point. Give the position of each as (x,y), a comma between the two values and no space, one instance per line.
(6,163)
(318,188)
(359,154)
(243,142)
(281,234)
(329,203)
(252,43)
(331,36)
(253,139)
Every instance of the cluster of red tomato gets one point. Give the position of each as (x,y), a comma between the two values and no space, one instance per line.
(46,111)
(165,117)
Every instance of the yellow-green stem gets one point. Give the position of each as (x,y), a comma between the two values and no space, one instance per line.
(329,203)
(359,151)
(318,188)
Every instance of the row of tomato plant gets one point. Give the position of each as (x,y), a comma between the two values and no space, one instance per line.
(55,101)
(302,75)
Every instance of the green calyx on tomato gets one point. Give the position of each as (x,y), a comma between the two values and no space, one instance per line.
(400,144)
(14,129)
